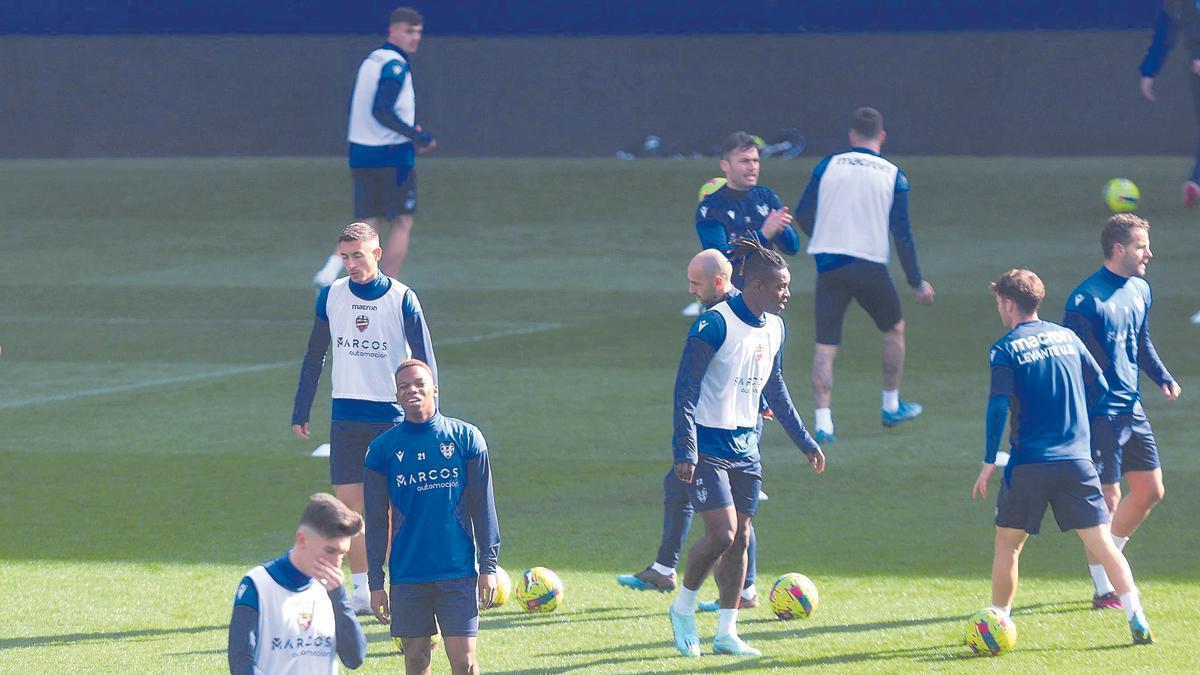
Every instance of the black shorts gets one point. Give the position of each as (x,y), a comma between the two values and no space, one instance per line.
(384,193)
(866,282)
(1123,443)
(348,443)
(1071,487)
(719,483)
(423,609)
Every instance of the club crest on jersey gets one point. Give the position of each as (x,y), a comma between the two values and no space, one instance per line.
(304,619)
(760,351)
(361,322)
(763,210)
(447,449)
(702,495)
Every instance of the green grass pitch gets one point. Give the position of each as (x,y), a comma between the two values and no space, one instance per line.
(153,314)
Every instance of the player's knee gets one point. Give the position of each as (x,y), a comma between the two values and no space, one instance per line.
(462,663)
(721,539)
(417,660)
(895,332)
(1153,494)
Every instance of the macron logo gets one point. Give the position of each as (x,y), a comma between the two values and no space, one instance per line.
(700,326)
(1078,299)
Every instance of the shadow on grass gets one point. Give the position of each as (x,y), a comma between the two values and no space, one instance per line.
(72,638)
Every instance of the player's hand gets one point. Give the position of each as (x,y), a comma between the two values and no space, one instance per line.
(767,414)
(817,461)
(426,149)
(924,293)
(775,222)
(379,605)
(487,590)
(328,574)
(684,472)
(1148,85)
(301,430)
(1172,390)
(981,483)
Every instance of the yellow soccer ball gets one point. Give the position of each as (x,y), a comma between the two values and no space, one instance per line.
(710,186)
(503,589)
(989,633)
(539,590)
(1121,195)
(794,596)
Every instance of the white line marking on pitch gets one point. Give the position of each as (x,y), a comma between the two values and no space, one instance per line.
(256,368)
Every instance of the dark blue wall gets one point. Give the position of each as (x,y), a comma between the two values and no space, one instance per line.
(568,17)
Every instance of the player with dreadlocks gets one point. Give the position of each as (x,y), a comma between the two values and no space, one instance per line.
(732,358)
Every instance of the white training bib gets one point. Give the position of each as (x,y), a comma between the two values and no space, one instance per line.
(296,630)
(732,385)
(854,205)
(364,128)
(368,341)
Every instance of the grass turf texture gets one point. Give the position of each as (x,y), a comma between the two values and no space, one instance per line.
(154,312)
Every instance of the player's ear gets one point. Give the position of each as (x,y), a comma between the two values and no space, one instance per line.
(882,136)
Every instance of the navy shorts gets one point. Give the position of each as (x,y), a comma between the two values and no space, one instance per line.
(348,443)
(384,193)
(1071,487)
(452,605)
(1122,443)
(868,283)
(718,483)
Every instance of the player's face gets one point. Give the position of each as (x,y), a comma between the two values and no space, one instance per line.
(405,36)
(705,288)
(772,293)
(1132,258)
(415,393)
(311,547)
(361,259)
(741,168)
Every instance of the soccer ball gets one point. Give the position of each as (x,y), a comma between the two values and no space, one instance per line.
(434,641)
(794,596)
(540,590)
(710,186)
(503,589)
(989,633)
(1121,195)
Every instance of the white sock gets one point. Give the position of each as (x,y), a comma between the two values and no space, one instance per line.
(1100,580)
(685,602)
(823,418)
(662,569)
(359,579)
(749,592)
(891,400)
(332,265)
(1119,542)
(1004,611)
(726,622)
(1132,604)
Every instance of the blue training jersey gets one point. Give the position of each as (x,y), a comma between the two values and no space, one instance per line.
(439,481)
(1044,371)
(1111,314)
(728,214)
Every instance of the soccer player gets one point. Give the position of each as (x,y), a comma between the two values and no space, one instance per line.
(709,274)
(742,207)
(434,472)
(1176,17)
(853,201)
(373,323)
(383,134)
(1110,312)
(733,358)
(283,622)
(1041,370)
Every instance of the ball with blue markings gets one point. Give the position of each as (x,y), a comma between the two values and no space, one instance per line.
(990,633)
(539,590)
(1121,195)
(794,596)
